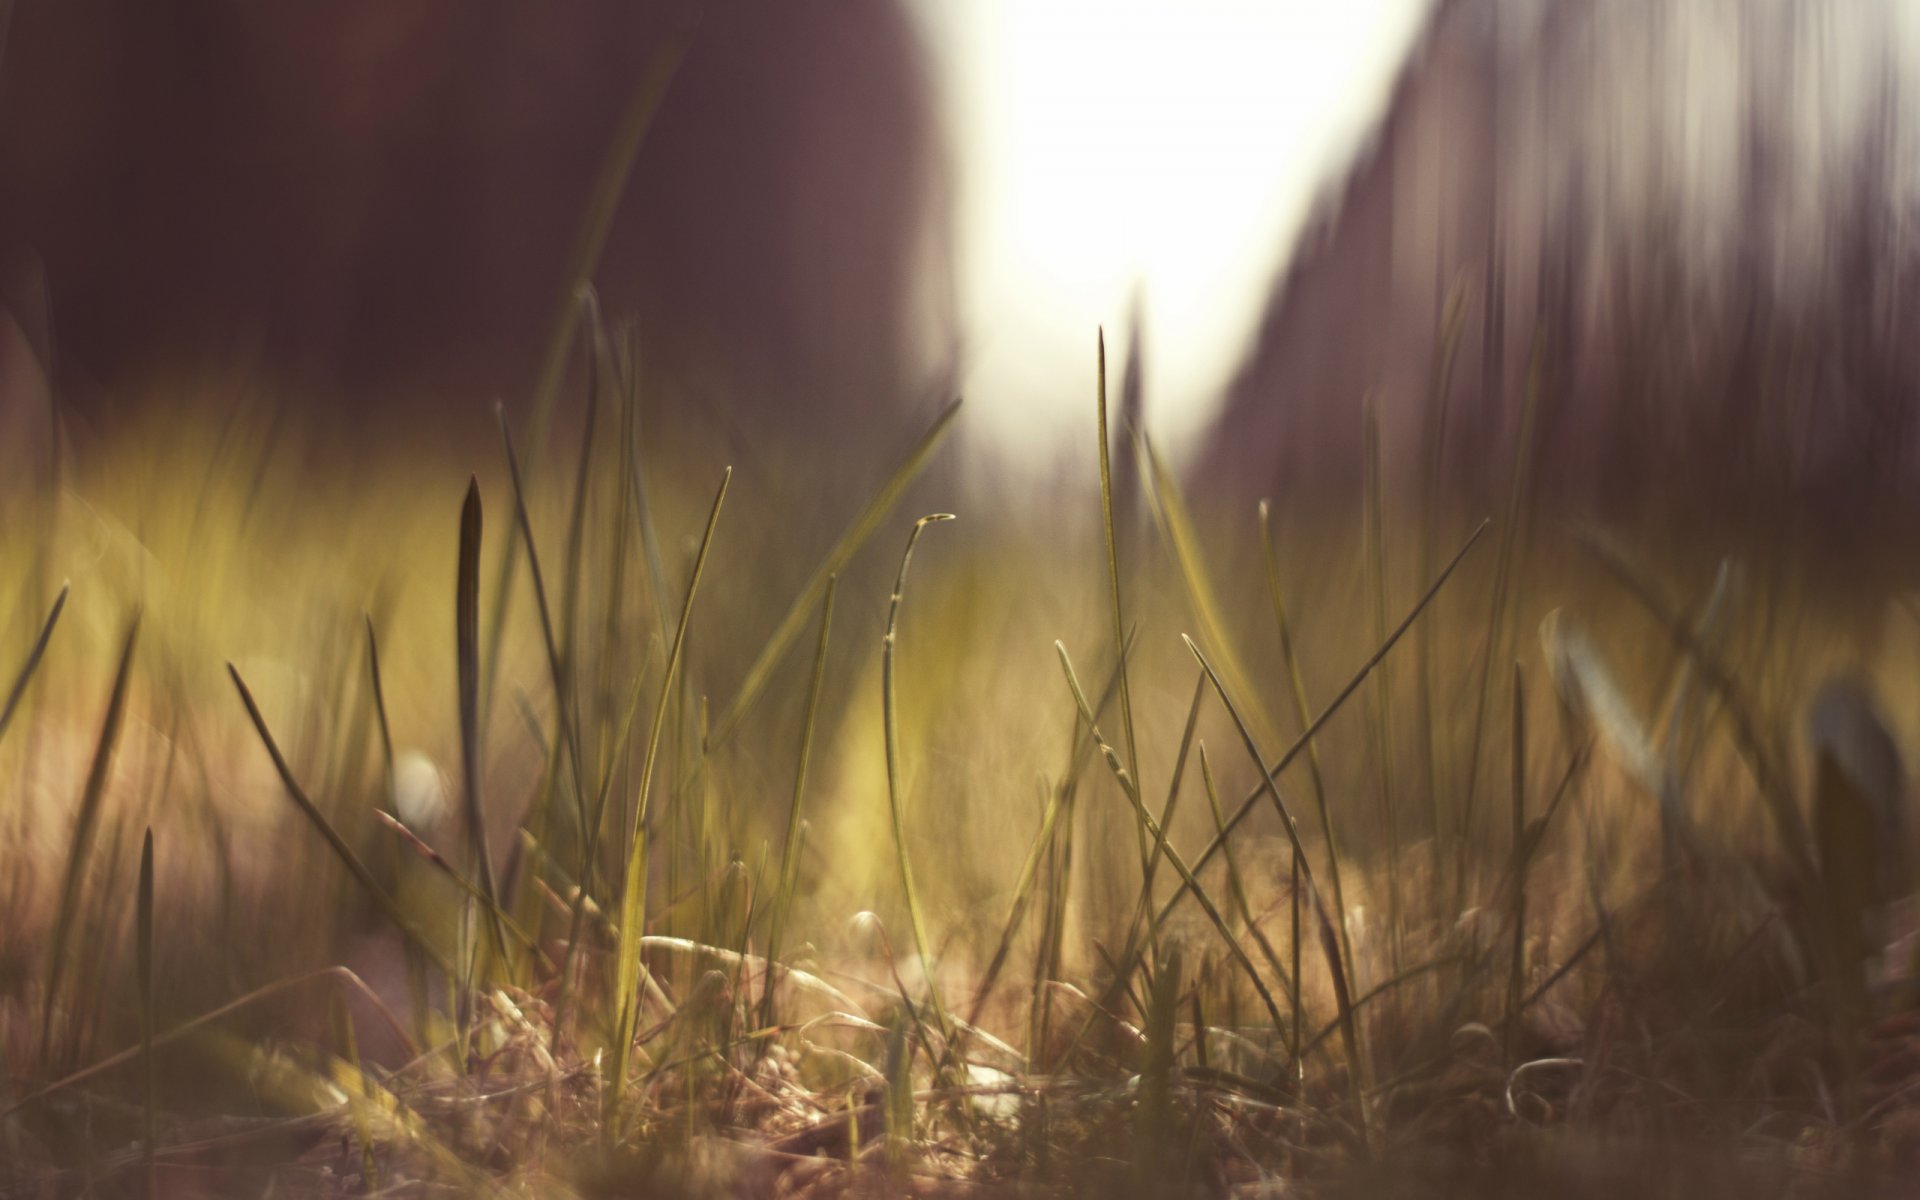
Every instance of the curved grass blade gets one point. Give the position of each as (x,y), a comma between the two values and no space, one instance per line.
(32,664)
(896,798)
(856,534)
(318,819)
(86,824)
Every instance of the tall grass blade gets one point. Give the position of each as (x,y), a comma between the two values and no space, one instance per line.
(1517,972)
(143,961)
(1376,572)
(1176,524)
(603,201)
(896,786)
(355,867)
(633,900)
(1305,739)
(467,659)
(1329,943)
(1296,683)
(855,535)
(1154,831)
(1154,1126)
(1511,541)
(790,850)
(86,824)
(1113,582)
(25,675)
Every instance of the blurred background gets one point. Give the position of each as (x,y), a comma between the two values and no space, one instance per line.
(1698,213)
(1394,265)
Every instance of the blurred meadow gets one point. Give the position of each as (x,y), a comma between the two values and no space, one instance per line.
(640,786)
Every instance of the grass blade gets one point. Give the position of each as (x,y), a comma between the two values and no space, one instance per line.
(1158,835)
(633,900)
(790,851)
(856,534)
(467,656)
(1329,944)
(1306,737)
(86,824)
(896,788)
(143,948)
(1113,592)
(25,676)
(1297,684)
(338,844)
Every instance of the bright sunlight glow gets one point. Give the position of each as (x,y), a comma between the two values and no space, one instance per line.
(1164,152)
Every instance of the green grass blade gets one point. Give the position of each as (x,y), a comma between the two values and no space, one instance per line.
(86,824)
(896,787)
(25,676)
(1352,685)
(143,950)
(603,201)
(1113,590)
(1176,524)
(633,900)
(856,534)
(467,659)
(355,867)
(790,850)
(1329,943)
(1304,713)
(1154,831)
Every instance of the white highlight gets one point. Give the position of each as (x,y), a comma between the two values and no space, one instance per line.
(1169,148)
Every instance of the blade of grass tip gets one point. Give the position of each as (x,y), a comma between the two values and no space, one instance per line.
(1516,977)
(380,706)
(143,946)
(790,849)
(25,676)
(633,900)
(467,658)
(1329,944)
(603,200)
(1304,714)
(1305,739)
(1376,571)
(896,788)
(1113,590)
(1132,793)
(852,539)
(86,824)
(335,842)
